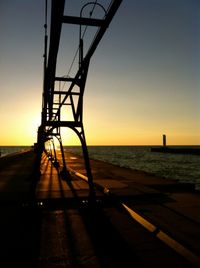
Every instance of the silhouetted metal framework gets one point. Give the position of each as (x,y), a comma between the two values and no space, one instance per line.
(56,101)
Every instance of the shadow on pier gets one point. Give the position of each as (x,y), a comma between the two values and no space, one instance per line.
(54,225)
(48,221)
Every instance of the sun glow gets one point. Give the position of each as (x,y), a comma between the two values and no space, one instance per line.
(21,130)
(69,137)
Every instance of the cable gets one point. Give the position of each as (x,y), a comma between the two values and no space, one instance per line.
(91,12)
(70,68)
(74,58)
(72,62)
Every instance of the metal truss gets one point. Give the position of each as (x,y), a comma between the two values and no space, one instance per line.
(57,101)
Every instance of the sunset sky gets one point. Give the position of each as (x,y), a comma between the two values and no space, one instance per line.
(143,80)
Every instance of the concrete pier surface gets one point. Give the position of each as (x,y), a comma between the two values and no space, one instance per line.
(48,220)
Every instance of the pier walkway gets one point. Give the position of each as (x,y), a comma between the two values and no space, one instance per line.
(47,220)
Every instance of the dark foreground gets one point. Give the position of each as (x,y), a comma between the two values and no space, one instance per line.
(48,221)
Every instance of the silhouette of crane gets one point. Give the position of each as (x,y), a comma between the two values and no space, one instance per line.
(54,100)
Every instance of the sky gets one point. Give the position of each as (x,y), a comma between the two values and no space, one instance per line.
(143,80)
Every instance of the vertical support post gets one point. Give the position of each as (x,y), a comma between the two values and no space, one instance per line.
(54,151)
(81,136)
(64,171)
(88,167)
(39,149)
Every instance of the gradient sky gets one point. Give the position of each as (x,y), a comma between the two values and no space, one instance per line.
(143,79)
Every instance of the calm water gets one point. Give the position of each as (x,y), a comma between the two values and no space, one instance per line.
(185,168)
(5,150)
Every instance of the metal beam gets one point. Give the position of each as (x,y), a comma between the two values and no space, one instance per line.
(56,25)
(82,21)
(63,124)
(64,79)
(65,92)
(110,14)
(68,79)
(51,115)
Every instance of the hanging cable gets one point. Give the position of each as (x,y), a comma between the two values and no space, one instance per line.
(74,58)
(91,13)
(70,68)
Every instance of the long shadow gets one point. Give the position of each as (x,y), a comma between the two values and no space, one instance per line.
(109,246)
(58,204)
(21,228)
(68,228)
(65,204)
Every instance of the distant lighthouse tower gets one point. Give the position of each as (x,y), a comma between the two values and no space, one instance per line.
(164,140)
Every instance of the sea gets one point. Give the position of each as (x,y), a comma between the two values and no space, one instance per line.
(182,167)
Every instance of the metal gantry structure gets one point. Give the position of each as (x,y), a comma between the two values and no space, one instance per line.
(55,101)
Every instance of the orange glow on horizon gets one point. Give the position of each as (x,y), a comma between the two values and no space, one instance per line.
(24,132)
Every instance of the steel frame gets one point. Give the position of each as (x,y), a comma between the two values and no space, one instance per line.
(55,100)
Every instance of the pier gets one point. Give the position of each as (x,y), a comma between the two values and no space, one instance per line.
(48,221)
(59,209)
(176,150)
